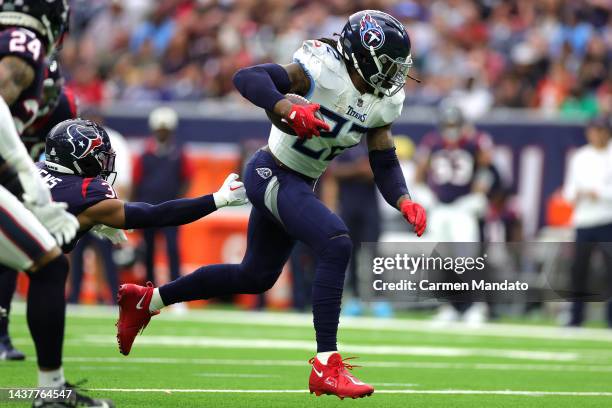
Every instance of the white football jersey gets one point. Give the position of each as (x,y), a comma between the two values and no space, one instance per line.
(348,113)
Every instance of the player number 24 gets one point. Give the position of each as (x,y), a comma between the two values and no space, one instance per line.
(20,43)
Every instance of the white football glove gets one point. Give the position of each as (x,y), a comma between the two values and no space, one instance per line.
(35,191)
(114,235)
(231,193)
(54,217)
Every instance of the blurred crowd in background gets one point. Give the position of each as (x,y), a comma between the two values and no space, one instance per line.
(553,55)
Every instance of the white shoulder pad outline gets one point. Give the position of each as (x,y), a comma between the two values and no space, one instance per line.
(321,63)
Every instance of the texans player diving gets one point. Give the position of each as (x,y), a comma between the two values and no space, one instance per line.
(80,161)
(56,105)
(357,84)
(32,225)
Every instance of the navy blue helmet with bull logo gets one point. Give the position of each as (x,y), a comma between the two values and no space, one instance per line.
(378,46)
(80,147)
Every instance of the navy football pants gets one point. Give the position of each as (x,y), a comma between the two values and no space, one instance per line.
(285,209)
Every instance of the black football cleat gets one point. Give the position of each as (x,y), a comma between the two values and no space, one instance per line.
(8,352)
(69,396)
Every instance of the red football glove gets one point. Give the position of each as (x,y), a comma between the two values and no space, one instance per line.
(415,215)
(303,120)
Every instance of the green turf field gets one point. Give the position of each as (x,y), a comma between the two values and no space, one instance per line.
(216,358)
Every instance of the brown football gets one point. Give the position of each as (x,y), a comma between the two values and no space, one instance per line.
(281,123)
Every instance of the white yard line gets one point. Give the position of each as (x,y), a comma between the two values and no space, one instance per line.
(358,323)
(235,375)
(380,349)
(443,392)
(365,362)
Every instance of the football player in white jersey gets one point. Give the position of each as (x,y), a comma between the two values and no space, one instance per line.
(357,84)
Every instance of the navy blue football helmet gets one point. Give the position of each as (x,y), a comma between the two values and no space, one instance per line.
(378,46)
(81,147)
(49,18)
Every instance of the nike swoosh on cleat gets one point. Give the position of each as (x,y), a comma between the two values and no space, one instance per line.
(320,374)
(139,304)
(353,380)
(234,188)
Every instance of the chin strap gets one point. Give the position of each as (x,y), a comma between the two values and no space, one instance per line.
(58,167)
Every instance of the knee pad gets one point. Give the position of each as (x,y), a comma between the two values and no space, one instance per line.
(258,280)
(339,248)
(55,271)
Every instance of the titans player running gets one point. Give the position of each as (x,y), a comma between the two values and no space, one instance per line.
(357,83)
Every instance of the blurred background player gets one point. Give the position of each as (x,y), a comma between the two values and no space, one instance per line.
(57,104)
(357,83)
(162,173)
(455,164)
(104,248)
(588,187)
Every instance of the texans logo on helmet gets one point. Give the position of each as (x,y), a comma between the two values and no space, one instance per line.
(83,140)
(372,35)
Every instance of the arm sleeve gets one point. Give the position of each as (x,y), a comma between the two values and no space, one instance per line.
(263,85)
(388,175)
(169,213)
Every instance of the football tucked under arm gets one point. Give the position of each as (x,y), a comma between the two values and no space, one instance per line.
(267,86)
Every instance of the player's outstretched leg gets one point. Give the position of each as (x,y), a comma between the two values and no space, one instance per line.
(46,316)
(134,314)
(268,248)
(8,283)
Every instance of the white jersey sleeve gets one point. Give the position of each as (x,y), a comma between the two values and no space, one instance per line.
(322,64)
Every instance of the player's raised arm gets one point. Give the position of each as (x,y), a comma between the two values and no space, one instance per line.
(126,215)
(389,178)
(265,86)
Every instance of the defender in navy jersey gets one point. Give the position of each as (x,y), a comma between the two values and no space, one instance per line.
(79,169)
(33,228)
(456,165)
(57,104)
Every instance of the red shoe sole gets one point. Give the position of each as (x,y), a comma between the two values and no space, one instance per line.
(319,393)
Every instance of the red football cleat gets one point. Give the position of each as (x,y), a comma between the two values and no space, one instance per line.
(334,379)
(134,313)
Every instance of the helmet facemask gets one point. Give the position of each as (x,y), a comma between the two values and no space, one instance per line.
(100,163)
(391,75)
(107,162)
